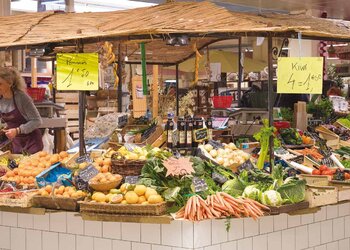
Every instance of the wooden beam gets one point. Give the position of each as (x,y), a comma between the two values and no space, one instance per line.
(155,93)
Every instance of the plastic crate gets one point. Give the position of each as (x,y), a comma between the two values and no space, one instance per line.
(37,94)
(222,101)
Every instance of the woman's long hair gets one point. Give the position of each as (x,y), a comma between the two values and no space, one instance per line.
(13,77)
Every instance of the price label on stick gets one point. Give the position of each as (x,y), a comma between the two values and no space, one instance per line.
(132,179)
(200,135)
(199,185)
(77,71)
(299,75)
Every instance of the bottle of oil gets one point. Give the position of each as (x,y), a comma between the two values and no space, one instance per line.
(189,131)
(170,129)
(181,127)
(209,124)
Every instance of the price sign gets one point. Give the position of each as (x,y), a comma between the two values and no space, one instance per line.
(216,144)
(77,71)
(299,75)
(12,164)
(132,179)
(200,134)
(83,158)
(177,167)
(82,180)
(218,178)
(247,165)
(199,184)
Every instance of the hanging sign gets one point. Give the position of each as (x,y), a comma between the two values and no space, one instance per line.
(299,75)
(77,71)
(178,167)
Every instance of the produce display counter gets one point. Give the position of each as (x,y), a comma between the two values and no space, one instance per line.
(327,228)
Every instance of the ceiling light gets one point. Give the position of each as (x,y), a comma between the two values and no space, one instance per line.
(338,45)
(182,40)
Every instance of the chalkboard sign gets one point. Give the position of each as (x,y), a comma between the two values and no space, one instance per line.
(132,179)
(83,158)
(12,164)
(216,144)
(82,180)
(200,134)
(218,178)
(199,185)
(247,165)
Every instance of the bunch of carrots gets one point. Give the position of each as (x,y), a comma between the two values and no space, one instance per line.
(220,205)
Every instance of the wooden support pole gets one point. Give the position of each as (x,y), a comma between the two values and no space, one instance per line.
(155,93)
(270,97)
(33,61)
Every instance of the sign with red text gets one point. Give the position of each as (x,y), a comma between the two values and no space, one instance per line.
(178,167)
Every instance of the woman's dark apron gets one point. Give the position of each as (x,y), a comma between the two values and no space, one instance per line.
(23,143)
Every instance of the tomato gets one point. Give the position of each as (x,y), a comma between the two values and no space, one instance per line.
(323,168)
(327,172)
(316,172)
(332,170)
(347,176)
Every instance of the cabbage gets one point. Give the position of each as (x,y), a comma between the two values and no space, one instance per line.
(252,192)
(293,190)
(234,187)
(271,198)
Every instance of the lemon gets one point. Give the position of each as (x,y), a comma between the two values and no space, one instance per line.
(140,190)
(131,197)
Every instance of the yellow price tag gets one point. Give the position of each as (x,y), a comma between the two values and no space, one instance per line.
(299,75)
(77,71)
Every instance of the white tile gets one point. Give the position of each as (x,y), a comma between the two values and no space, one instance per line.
(274,241)
(307,219)
(344,244)
(236,229)
(102,244)
(201,248)
(66,242)
(58,222)
(33,239)
(150,233)
(294,220)
(214,247)
(5,241)
(218,231)
(18,238)
(301,237)
(321,214)
(260,242)
(121,245)
(9,219)
(93,228)
(338,228)
(84,243)
(288,239)
(332,246)
(231,245)
(332,212)
(280,222)
(158,247)
(344,209)
(112,230)
(314,234)
(50,241)
(187,234)
(326,231)
(41,222)
(140,246)
(25,220)
(347,226)
(75,224)
(322,247)
(0,218)
(131,231)
(245,244)
(251,227)
(266,224)
(202,234)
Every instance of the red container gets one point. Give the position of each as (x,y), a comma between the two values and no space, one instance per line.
(37,94)
(222,101)
(281,124)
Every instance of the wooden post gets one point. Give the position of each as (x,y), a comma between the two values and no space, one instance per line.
(270,98)
(34,72)
(240,71)
(155,93)
(177,89)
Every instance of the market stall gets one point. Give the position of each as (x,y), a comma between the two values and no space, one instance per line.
(138,183)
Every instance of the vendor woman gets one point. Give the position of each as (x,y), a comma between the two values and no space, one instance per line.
(18,112)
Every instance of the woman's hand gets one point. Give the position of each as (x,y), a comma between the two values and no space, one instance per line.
(11,133)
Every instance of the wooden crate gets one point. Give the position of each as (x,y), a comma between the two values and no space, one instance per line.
(321,195)
(331,138)
(343,189)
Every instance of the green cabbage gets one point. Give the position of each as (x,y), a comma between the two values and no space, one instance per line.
(293,191)
(271,198)
(234,187)
(252,192)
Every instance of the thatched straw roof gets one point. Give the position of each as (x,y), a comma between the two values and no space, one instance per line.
(197,19)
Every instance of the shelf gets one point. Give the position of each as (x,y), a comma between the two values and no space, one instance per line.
(24,210)
(162,219)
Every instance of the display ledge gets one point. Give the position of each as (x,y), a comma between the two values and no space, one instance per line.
(161,219)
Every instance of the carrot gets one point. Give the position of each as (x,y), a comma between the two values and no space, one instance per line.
(258,204)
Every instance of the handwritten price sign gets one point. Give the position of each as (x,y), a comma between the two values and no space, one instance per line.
(299,75)
(77,71)
(178,167)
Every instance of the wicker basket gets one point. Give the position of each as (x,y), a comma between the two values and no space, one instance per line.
(136,209)
(59,203)
(106,186)
(127,167)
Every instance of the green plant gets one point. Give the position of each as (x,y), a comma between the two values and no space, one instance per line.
(333,75)
(321,109)
(287,114)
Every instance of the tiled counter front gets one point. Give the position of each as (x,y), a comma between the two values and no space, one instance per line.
(328,229)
